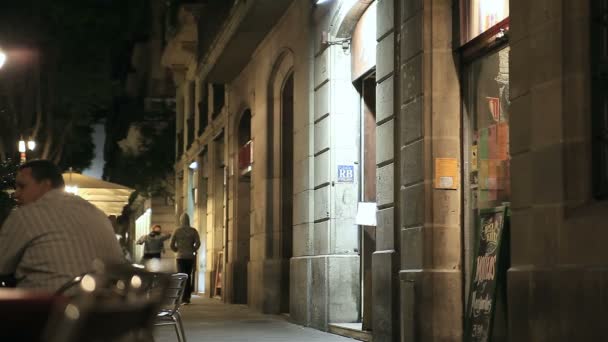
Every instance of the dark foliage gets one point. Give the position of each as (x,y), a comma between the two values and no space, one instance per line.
(62,56)
(8,170)
(147,172)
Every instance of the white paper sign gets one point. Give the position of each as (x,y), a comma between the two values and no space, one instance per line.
(366,214)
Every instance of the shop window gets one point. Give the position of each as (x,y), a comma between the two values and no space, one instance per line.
(487,163)
(245,153)
(599,96)
(486,155)
(481,15)
(487,112)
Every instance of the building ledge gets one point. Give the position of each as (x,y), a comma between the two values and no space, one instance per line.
(248,23)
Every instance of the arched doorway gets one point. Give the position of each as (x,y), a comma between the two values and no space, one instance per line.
(280,187)
(242,226)
(286,203)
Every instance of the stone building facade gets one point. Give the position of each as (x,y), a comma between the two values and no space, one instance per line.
(292,115)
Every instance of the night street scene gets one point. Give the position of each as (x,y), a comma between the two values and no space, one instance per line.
(304,170)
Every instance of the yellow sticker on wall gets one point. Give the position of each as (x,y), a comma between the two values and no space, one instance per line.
(446,173)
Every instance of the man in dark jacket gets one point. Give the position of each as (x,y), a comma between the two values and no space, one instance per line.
(185,242)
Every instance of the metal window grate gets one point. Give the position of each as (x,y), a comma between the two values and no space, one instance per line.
(599,96)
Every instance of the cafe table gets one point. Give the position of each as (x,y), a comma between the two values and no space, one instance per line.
(25,313)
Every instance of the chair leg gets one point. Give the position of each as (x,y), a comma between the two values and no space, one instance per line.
(177,332)
(181,335)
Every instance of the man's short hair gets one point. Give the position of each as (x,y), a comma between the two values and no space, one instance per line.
(45,170)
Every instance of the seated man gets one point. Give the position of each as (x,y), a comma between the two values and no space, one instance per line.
(53,236)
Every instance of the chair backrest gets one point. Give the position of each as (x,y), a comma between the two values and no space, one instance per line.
(114,301)
(175,292)
(70,285)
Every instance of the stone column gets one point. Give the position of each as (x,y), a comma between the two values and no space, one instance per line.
(558,277)
(385,261)
(430,219)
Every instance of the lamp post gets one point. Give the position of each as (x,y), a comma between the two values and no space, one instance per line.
(23,147)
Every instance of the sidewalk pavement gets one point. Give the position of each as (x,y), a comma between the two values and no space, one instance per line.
(213,321)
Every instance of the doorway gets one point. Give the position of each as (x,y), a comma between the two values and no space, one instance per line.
(220,184)
(366,86)
(242,236)
(286,211)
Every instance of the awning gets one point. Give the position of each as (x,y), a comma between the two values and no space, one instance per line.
(109,197)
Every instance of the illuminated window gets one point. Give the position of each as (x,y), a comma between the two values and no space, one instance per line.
(481,15)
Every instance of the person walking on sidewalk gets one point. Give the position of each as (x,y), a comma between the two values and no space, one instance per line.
(185,242)
(153,243)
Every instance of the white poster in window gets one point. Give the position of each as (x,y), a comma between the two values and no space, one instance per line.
(366,214)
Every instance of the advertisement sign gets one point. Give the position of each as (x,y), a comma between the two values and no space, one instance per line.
(487,266)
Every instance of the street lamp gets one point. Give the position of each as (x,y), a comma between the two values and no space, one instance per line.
(23,147)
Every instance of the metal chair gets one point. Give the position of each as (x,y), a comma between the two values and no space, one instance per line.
(70,285)
(114,303)
(169,313)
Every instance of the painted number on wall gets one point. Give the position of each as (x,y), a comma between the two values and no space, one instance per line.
(346,173)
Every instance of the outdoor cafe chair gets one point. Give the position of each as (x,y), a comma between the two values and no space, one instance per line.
(113,303)
(169,313)
(70,285)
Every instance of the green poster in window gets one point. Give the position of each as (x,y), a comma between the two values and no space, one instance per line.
(483,143)
(488,270)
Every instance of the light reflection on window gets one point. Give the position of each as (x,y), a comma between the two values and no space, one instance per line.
(483,14)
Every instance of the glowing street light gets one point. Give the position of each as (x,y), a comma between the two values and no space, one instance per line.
(72,189)
(23,147)
(69,187)
(2,58)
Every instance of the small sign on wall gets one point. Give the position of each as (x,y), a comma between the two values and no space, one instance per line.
(366,214)
(446,173)
(346,174)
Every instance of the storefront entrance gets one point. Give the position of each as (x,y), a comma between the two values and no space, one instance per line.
(486,171)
